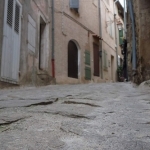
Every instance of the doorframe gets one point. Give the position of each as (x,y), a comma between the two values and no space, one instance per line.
(40,15)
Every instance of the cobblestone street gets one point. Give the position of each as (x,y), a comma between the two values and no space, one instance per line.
(111,116)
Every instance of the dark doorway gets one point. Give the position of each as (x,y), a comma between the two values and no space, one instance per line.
(96,59)
(42,44)
(72,60)
(112,68)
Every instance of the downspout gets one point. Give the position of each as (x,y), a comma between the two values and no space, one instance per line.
(125,21)
(53,41)
(133,36)
(125,42)
(116,44)
(100,34)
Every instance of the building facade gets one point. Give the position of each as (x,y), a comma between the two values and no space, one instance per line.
(138,40)
(88,28)
(25,34)
(71,41)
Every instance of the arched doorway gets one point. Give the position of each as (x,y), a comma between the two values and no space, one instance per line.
(72,60)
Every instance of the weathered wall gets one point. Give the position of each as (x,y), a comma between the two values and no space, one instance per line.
(29,72)
(70,26)
(109,40)
(144,50)
(142,28)
(29,63)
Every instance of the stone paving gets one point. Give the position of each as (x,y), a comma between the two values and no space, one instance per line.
(111,116)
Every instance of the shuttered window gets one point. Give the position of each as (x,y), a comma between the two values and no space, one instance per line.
(11,41)
(74,4)
(120,37)
(31,34)
(105,63)
(87,73)
(87,57)
(10,12)
(17,18)
(87,63)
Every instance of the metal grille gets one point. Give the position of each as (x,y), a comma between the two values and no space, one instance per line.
(10,12)
(17,18)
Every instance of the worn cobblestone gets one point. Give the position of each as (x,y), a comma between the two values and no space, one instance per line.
(122,122)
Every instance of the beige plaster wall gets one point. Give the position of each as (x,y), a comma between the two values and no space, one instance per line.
(70,25)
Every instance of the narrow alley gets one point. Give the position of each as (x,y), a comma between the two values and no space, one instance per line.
(106,116)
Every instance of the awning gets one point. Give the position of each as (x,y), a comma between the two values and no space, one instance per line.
(97,36)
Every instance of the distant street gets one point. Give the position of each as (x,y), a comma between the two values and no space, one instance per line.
(111,116)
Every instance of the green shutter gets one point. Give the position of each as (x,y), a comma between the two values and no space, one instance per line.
(120,37)
(87,57)
(105,59)
(87,73)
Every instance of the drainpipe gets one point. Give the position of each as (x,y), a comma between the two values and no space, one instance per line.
(125,21)
(116,46)
(100,33)
(125,43)
(53,41)
(130,6)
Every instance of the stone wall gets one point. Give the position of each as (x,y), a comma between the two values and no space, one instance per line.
(142,27)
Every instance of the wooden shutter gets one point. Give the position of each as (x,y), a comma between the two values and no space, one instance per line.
(96,59)
(105,63)
(74,4)
(31,34)
(87,57)
(10,58)
(120,37)
(87,73)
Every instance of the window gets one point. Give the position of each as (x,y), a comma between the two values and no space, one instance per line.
(110,26)
(74,4)
(87,73)
(120,37)
(31,34)
(87,68)
(87,57)
(105,64)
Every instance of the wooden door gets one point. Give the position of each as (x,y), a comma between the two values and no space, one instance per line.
(11,42)
(96,59)
(72,60)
